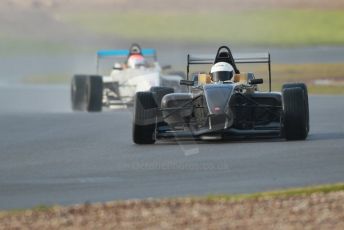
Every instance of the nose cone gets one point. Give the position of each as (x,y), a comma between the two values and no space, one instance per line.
(217,97)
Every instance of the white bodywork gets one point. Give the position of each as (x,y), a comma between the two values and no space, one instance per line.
(130,81)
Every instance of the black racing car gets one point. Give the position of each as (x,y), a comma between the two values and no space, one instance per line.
(222,108)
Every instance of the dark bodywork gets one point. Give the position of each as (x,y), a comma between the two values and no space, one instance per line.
(226,109)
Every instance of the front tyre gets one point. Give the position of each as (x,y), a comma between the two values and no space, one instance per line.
(145,115)
(95,93)
(303,86)
(294,114)
(79,93)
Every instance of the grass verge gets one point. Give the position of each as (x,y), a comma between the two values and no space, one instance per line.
(279,27)
(319,207)
(286,193)
(320,78)
(305,191)
(52,79)
(331,74)
(23,46)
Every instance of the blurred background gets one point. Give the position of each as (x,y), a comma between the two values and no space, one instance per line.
(45,42)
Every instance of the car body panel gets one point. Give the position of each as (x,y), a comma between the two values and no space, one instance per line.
(226,109)
(121,84)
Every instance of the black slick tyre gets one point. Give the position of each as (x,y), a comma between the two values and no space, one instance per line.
(145,113)
(294,114)
(95,93)
(79,93)
(303,86)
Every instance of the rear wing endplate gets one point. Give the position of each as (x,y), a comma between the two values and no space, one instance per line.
(239,58)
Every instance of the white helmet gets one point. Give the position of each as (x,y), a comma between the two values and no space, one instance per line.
(222,71)
(136,61)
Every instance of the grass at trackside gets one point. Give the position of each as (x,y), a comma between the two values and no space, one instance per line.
(303,191)
(281,73)
(54,79)
(273,27)
(326,90)
(38,208)
(17,46)
(280,193)
(306,73)
(280,27)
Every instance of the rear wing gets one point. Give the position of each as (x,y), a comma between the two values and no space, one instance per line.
(101,54)
(239,58)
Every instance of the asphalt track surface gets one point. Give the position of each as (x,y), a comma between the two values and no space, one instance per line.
(49,155)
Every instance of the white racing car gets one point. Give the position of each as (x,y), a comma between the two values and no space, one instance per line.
(139,72)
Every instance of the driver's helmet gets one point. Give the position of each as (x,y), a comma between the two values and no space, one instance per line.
(136,61)
(222,71)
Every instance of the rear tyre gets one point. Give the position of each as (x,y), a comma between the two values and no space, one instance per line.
(95,93)
(305,91)
(145,113)
(79,93)
(294,111)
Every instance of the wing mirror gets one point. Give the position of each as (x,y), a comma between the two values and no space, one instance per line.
(256,81)
(187,82)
